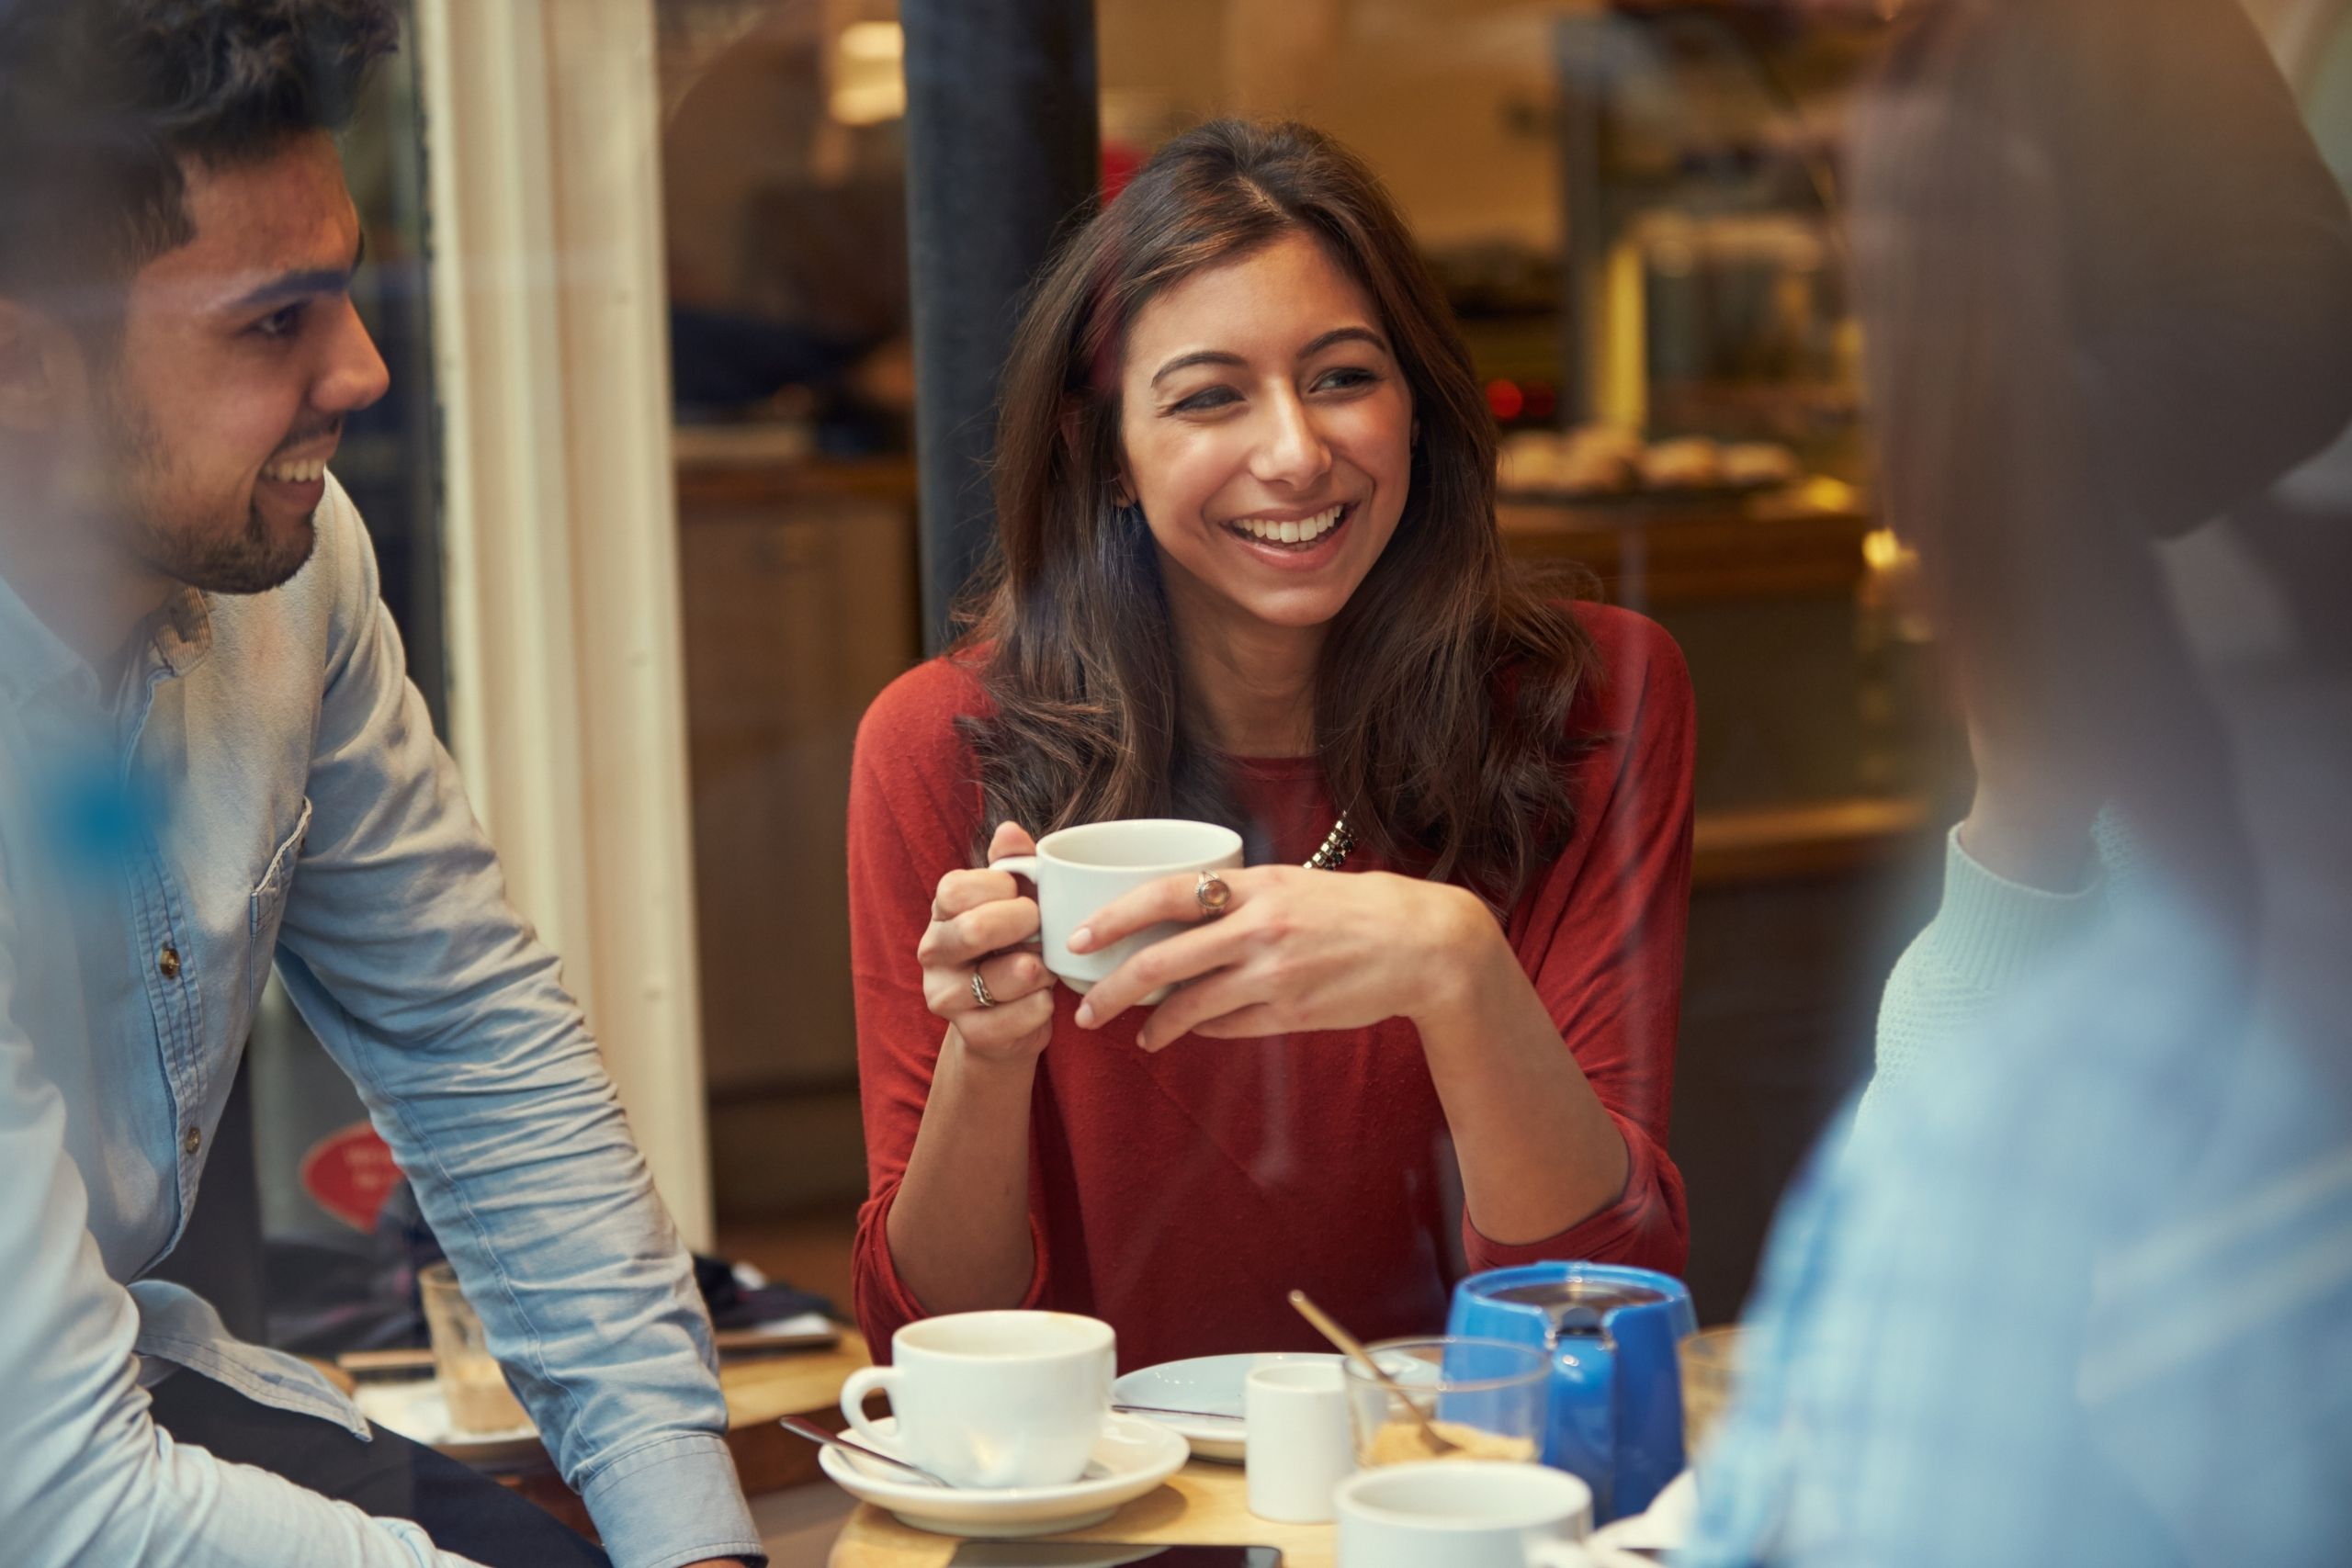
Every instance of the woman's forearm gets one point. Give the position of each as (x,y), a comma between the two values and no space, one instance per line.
(1538,1151)
(959,1227)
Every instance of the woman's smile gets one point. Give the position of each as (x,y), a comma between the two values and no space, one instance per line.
(1291,541)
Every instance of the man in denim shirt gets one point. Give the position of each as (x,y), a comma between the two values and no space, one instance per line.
(211,758)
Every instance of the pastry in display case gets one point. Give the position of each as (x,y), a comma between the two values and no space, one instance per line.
(1602,462)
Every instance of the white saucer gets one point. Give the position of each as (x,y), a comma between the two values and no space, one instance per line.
(1132,1456)
(1213,1384)
(416,1409)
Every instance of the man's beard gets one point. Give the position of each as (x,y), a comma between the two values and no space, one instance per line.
(151,507)
(247,560)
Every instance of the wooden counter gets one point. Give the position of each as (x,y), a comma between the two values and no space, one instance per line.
(1791,544)
(1830,838)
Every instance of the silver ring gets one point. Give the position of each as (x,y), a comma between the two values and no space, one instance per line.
(1213,896)
(980,990)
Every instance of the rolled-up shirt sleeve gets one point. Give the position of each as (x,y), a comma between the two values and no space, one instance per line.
(404,953)
(1646,1227)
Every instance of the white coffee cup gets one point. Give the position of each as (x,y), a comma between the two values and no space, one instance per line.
(1080,869)
(1464,1514)
(1296,1441)
(992,1398)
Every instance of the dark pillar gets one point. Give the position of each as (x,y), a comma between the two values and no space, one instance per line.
(1001,149)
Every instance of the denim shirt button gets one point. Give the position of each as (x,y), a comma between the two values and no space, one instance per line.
(168,963)
(191,1141)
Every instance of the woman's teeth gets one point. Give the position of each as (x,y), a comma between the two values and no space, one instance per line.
(1291,531)
(295,473)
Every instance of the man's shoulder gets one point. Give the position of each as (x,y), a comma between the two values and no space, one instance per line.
(336,583)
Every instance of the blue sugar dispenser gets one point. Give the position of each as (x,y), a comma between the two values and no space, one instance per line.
(1616,1391)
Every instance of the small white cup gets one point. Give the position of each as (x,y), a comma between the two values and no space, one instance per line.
(1464,1514)
(1080,869)
(1296,1441)
(993,1398)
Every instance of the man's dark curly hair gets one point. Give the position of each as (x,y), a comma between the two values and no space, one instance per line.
(102,100)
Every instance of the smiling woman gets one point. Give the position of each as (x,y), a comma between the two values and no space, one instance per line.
(1249,334)
(1249,573)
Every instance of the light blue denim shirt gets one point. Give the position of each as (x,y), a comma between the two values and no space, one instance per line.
(264,786)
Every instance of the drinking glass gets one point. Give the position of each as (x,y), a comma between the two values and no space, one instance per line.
(472,1384)
(1710,1368)
(1487,1397)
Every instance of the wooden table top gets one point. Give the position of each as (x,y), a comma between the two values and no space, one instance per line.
(796,1383)
(1203,1504)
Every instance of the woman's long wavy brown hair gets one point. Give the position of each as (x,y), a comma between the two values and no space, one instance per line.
(1441,702)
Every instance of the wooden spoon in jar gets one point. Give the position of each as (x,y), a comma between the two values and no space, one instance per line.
(1353,1347)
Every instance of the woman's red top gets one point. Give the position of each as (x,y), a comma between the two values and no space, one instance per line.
(1182,1196)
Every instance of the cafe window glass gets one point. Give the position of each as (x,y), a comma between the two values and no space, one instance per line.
(783,162)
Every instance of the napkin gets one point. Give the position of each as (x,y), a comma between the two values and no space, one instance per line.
(1666,1525)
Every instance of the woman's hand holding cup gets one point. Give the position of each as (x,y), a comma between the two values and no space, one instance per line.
(1296,950)
(979,924)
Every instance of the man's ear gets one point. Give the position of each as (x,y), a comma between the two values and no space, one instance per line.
(42,369)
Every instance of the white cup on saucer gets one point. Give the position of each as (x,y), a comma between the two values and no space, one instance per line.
(1080,869)
(1299,1444)
(1464,1514)
(992,1399)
